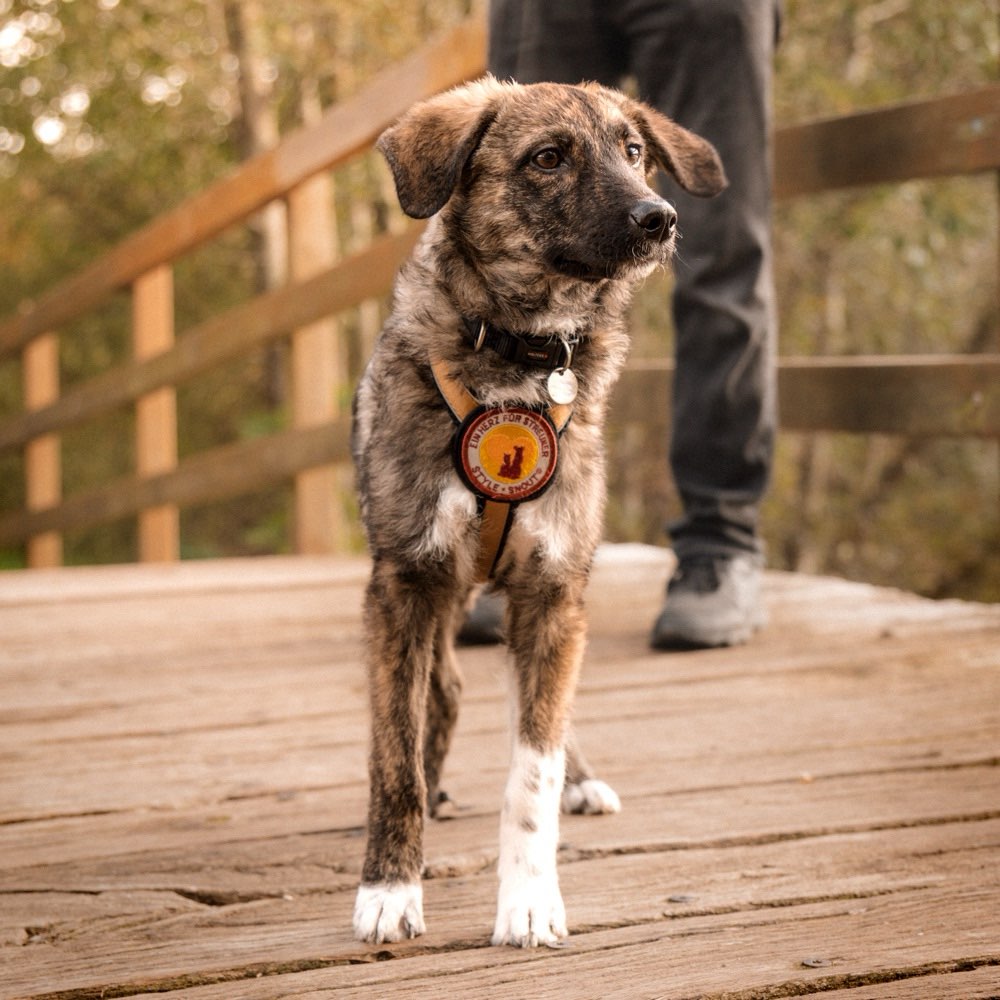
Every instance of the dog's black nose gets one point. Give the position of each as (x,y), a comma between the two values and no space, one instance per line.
(656,220)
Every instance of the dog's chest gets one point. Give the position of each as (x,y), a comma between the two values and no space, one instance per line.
(506,456)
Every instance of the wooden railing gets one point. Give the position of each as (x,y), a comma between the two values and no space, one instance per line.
(955,395)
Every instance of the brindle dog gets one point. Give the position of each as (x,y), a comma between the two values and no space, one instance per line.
(543,221)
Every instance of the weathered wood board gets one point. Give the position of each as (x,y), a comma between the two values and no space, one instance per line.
(182,796)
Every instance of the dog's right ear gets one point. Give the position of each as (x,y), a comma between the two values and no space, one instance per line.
(428,147)
(692,161)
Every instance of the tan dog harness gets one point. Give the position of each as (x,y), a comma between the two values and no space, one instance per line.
(504,454)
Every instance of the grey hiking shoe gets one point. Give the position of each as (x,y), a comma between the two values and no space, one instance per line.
(712,600)
(483,625)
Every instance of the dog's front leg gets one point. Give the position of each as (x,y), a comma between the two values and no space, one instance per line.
(401,606)
(547,640)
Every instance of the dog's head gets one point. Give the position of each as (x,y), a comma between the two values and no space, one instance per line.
(549,177)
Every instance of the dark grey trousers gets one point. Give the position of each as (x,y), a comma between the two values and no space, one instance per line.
(708,65)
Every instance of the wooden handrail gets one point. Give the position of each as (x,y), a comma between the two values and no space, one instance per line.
(345,130)
(936,137)
(228,471)
(915,395)
(927,395)
(261,320)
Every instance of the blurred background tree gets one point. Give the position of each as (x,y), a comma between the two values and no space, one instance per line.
(900,269)
(904,269)
(113,110)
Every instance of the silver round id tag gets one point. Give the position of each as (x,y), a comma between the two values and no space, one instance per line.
(562,386)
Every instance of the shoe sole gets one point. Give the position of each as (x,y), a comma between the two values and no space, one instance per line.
(681,641)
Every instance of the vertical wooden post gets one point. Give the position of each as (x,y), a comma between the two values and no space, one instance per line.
(316,369)
(42,456)
(156,413)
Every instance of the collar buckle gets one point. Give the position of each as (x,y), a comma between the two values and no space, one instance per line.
(480,338)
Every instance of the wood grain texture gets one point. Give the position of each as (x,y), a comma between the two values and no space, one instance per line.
(183,791)
(918,395)
(936,137)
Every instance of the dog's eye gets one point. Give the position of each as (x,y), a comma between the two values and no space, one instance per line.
(634,152)
(548,158)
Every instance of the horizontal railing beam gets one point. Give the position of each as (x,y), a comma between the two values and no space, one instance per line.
(348,128)
(209,476)
(957,134)
(922,396)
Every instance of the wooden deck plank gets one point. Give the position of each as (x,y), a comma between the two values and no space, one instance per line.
(678,882)
(767,952)
(182,792)
(940,984)
(854,933)
(979,984)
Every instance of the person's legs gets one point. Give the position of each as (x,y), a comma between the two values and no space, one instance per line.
(535,41)
(554,41)
(707,63)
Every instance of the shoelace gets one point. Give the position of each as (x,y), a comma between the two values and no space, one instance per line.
(698,574)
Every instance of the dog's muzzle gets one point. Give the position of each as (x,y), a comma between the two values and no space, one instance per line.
(641,237)
(653,219)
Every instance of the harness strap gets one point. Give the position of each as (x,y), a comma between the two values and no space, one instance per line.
(494,525)
(495,516)
(460,401)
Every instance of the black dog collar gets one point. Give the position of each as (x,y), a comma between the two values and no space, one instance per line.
(543,351)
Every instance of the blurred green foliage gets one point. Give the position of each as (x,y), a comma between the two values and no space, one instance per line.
(113,110)
(902,269)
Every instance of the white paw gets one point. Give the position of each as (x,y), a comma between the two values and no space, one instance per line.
(530,912)
(592,797)
(389,912)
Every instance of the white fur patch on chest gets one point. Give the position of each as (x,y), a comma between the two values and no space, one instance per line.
(544,525)
(456,507)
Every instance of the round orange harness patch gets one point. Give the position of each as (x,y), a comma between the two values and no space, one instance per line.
(507,453)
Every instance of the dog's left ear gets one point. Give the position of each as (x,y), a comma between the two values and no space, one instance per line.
(693,161)
(429,146)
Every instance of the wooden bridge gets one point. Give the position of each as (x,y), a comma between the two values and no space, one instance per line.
(182,795)
(182,745)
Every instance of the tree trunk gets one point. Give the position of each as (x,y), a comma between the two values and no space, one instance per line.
(259,131)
